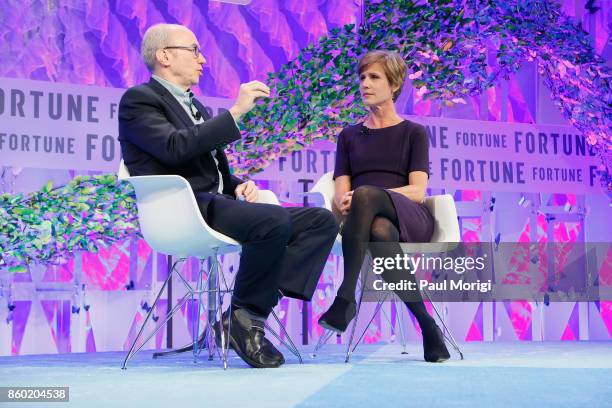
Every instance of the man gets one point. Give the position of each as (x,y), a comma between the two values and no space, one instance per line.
(164,130)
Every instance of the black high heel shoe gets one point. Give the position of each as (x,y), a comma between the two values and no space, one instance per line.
(434,349)
(339,315)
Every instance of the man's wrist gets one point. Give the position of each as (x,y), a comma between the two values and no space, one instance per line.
(236,113)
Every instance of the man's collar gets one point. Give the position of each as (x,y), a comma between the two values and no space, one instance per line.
(174,89)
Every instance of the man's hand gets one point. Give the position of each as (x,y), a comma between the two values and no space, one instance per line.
(345,203)
(246,98)
(247,190)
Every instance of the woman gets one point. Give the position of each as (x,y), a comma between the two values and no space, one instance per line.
(382,167)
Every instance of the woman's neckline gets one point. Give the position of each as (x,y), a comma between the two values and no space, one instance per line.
(383,128)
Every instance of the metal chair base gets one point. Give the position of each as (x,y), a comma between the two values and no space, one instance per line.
(327,334)
(215,297)
(289,343)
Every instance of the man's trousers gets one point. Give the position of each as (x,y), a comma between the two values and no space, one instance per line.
(282,249)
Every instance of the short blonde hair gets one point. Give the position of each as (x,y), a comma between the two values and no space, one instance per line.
(393,65)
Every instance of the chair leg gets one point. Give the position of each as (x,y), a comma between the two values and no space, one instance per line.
(225,341)
(354,325)
(289,342)
(397,326)
(134,349)
(449,337)
(131,351)
(399,320)
(327,334)
(196,320)
(202,341)
(212,288)
(376,311)
(219,299)
(215,311)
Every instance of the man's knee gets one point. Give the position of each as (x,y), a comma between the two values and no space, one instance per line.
(324,219)
(276,222)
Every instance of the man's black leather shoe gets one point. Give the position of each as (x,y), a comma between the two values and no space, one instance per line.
(247,338)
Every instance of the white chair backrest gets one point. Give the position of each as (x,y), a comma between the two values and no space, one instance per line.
(446,235)
(325,187)
(444,211)
(267,197)
(123,171)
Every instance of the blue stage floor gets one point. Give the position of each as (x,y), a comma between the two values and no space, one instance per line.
(529,374)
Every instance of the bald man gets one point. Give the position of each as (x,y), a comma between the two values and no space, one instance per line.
(163,129)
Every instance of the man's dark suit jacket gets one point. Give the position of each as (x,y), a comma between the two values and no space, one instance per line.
(157,136)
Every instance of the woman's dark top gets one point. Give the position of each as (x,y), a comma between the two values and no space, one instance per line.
(384,158)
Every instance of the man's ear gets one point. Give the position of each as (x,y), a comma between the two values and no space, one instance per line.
(162,57)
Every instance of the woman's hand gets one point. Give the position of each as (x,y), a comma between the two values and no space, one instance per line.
(342,195)
(416,188)
(345,202)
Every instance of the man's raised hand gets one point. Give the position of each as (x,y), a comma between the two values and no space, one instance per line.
(247,95)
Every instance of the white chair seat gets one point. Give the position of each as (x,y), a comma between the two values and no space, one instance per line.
(170,219)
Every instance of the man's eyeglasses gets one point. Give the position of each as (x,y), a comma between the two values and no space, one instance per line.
(195,49)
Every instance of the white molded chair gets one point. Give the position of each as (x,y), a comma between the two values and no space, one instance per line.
(171,223)
(324,191)
(446,236)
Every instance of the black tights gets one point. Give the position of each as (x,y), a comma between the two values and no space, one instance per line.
(372,217)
